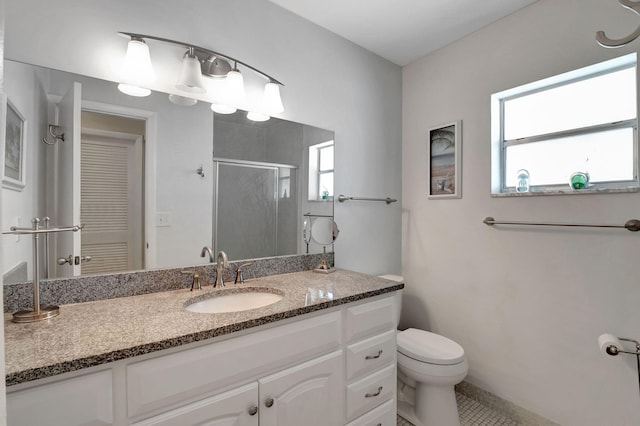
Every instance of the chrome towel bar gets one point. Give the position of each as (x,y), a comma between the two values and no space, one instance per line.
(309,214)
(343,198)
(29,231)
(631,225)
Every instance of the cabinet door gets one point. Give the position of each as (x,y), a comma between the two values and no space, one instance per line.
(84,400)
(238,407)
(310,394)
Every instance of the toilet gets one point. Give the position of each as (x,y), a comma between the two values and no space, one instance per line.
(429,365)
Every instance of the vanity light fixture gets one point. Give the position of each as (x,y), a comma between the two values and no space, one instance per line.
(223,109)
(272,100)
(257,116)
(271,103)
(235,87)
(190,80)
(182,100)
(197,63)
(137,70)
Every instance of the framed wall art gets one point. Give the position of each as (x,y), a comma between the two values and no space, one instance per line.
(13,175)
(444,158)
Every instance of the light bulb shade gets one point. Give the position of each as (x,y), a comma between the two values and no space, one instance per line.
(130,90)
(137,71)
(223,109)
(191,76)
(182,100)
(272,100)
(235,88)
(257,116)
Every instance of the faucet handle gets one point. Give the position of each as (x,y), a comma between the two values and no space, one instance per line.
(239,277)
(195,284)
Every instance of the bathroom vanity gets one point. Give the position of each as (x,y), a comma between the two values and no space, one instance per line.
(323,355)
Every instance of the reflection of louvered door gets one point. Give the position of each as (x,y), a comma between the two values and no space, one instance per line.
(111,201)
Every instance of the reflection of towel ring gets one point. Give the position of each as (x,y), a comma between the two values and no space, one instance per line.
(54,131)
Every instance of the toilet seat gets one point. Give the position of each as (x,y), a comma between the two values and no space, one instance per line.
(428,347)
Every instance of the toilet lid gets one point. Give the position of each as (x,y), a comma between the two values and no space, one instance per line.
(429,347)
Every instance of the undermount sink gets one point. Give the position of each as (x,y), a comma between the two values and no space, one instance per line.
(233,301)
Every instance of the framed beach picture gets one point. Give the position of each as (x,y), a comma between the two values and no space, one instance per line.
(445,161)
(13,176)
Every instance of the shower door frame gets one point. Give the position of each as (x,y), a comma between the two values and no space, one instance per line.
(217,161)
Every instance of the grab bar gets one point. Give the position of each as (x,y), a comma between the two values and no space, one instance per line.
(343,198)
(632,225)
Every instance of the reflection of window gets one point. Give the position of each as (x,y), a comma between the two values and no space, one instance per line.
(581,121)
(321,171)
(284,182)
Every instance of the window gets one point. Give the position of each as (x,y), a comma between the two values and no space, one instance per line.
(284,182)
(582,121)
(321,171)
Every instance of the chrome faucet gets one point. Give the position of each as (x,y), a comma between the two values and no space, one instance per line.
(205,250)
(221,263)
(239,276)
(195,285)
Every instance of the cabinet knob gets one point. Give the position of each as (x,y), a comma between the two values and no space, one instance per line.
(253,410)
(374,356)
(268,402)
(371,395)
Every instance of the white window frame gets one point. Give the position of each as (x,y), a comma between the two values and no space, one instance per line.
(315,172)
(499,144)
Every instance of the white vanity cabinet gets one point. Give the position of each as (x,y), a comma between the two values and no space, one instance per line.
(82,400)
(371,363)
(324,369)
(306,394)
(310,394)
(237,407)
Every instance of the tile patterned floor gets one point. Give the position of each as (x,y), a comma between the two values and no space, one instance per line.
(472,413)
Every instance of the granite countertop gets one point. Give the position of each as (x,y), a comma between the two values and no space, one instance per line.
(93,333)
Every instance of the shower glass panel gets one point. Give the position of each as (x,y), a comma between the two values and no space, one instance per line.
(248,213)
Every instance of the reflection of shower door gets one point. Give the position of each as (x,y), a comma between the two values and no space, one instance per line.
(246,210)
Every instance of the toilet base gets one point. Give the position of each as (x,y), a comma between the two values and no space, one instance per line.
(406,411)
(435,405)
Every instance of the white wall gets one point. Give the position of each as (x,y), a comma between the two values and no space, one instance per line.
(527,304)
(182,143)
(330,83)
(3,400)
(28,94)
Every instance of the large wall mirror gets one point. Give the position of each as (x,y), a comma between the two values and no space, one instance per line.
(153,182)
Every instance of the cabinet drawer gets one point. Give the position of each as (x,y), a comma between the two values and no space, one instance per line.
(370,318)
(84,400)
(170,380)
(371,391)
(370,354)
(233,407)
(384,415)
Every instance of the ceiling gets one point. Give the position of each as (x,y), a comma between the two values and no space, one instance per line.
(402,30)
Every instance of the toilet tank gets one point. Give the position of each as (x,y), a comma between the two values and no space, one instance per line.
(397,295)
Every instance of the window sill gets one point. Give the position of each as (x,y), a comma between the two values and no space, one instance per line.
(567,192)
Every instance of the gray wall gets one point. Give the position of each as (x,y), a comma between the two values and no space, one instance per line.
(527,304)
